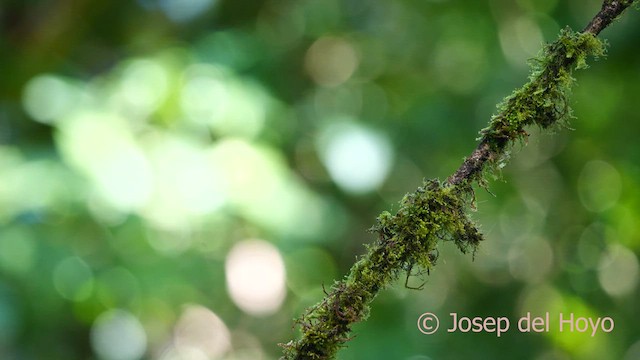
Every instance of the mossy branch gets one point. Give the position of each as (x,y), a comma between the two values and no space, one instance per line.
(437,210)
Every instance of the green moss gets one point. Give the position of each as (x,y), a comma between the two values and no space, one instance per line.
(408,239)
(438,212)
(543,100)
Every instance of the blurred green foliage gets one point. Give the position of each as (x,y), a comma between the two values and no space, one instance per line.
(179,178)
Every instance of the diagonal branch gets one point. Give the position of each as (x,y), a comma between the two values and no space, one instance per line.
(437,211)
(611,9)
(474,164)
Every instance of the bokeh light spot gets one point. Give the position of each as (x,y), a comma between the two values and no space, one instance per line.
(358,159)
(118,335)
(618,271)
(188,185)
(520,39)
(591,245)
(530,259)
(143,87)
(214,96)
(330,61)
(599,186)
(261,188)
(255,276)
(117,287)
(171,242)
(199,334)
(47,98)
(73,279)
(540,299)
(102,146)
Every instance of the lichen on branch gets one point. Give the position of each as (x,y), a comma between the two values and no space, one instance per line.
(438,211)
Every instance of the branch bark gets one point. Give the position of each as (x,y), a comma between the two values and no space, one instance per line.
(611,9)
(437,211)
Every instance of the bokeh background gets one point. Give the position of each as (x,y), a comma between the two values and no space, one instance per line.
(178,178)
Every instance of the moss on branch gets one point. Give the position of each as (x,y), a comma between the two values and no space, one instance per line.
(438,211)
(543,101)
(433,213)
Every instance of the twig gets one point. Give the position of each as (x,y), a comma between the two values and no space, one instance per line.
(611,9)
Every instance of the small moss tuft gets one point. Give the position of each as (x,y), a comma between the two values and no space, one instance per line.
(543,101)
